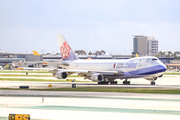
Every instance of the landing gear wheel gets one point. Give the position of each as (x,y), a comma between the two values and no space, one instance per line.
(126,82)
(102,82)
(153,83)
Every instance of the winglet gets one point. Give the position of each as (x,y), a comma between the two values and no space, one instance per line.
(35,53)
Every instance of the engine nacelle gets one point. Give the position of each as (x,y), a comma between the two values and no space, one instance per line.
(161,75)
(97,77)
(61,75)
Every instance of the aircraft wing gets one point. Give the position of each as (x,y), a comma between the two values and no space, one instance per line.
(92,72)
(29,68)
(78,71)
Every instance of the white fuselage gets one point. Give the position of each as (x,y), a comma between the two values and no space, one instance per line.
(136,67)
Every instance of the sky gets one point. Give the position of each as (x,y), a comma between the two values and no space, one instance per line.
(90,25)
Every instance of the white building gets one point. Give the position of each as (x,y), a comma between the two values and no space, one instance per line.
(152,47)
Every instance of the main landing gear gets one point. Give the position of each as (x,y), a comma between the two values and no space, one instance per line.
(108,81)
(153,83)
(125,82)
(102,82)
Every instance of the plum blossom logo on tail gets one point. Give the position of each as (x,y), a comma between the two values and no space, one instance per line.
(65,50)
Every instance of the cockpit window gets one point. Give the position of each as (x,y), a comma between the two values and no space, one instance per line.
(154,59)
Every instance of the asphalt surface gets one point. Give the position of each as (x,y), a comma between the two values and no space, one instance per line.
(55,105)
(82,94)
(45,85)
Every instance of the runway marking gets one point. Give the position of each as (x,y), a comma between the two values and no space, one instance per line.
(103,109)
(91,97)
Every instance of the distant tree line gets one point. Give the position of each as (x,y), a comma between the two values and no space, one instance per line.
(82,52)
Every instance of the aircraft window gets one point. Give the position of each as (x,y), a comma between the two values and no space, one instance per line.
(154,59)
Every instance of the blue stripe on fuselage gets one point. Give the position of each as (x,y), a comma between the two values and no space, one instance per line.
(148,71)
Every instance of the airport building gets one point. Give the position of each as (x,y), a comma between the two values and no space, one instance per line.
(10,57)
(144,45)
(51,60)
(22,58)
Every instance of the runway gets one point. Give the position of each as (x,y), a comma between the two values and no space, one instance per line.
(89,105)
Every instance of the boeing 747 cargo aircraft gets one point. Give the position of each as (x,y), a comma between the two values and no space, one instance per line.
(106,71)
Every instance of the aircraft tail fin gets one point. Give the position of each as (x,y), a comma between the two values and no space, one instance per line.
(35,53)
(137,55)
(66,51)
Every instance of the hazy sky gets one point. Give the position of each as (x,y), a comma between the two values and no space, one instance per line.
(89,25)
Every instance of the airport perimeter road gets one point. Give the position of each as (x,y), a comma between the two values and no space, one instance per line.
(89,105)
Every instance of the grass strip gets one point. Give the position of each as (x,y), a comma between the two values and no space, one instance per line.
(16,75)
(126,90)
(171,73)
(38,80)
(105,89)
(27,79)
(18,71)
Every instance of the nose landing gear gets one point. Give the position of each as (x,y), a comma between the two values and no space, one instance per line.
(153,81)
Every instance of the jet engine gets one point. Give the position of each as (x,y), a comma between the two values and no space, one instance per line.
(96,77)
(61,75)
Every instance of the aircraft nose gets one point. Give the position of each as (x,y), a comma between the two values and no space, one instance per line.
(164,68)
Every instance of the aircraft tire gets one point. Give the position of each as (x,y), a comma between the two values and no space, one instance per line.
(99,83)
(153,83)
(128,82)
